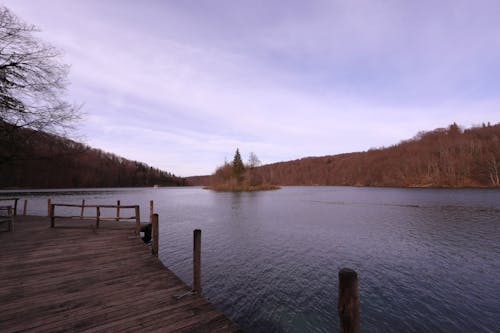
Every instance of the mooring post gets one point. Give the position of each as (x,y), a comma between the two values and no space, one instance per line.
(83,208)
(348,306)
(97,216)
(197,261)
(151,211)
(25,207)
(137,220)
(51,214)
(117,210)
(48,207)
(155,231)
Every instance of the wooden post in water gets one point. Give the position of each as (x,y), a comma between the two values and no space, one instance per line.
(197,261)
(137,220)
(83,208)
(151,211)
(25,207)
(48,207)
(97,217)
(118,210)
(348,306)
(155,231)
(51,214)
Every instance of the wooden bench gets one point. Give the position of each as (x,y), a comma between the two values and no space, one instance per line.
(8,218)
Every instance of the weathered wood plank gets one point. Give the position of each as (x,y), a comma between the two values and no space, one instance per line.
(80,279)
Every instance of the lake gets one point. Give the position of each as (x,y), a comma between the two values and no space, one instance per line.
(428,260)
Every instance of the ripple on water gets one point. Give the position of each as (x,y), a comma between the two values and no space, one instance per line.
(428,259)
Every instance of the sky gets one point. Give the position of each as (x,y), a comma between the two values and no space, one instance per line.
(180,85)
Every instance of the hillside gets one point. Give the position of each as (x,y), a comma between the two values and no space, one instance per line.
(444,157)
(41,160)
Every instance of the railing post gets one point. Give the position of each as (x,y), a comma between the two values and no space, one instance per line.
(117,210)
(151,210)
(348,306)
(9,214)
(48,207)
(155,232)
(51,214)
(98,216)
(137,220)
(83,208)
(11,222)
(25,207)
(15,207)
(197,261)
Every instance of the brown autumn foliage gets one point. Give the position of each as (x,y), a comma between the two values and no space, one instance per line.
(224,179)
(49,161)
(444,157)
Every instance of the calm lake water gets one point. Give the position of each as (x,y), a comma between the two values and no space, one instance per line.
(428,260)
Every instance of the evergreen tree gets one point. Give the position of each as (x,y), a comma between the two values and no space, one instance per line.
(238,167)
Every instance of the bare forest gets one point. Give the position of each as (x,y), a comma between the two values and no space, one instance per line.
(50,161)
(444,157)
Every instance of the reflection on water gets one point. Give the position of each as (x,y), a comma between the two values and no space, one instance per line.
(427,259)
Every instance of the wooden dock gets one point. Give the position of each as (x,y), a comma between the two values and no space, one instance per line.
(76,278)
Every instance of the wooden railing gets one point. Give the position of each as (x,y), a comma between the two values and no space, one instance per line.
(9,218)
(15,204)
(97,217)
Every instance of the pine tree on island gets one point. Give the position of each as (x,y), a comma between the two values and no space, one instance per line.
(236,177)
(238,167)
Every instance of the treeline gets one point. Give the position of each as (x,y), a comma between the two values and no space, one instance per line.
(43,160)
(444,157)
(238,176)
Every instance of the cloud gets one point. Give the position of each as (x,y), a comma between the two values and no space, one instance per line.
(180,85)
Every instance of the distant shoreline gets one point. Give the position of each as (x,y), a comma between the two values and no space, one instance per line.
(84,188)
(255,188)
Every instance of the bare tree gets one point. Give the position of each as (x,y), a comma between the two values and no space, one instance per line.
(493,169)
(253,160)
(32,86)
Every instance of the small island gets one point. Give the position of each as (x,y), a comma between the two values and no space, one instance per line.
(238,177)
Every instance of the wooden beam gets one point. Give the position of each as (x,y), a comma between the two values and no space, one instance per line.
(51,214)
(348,304)
(118,210)
(155,232)
(137,220)
(197,261)
(15,206)
(98,215)
(83,209)
(151,210)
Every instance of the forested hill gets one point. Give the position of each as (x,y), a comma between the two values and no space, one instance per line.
(444,157)
(42,160)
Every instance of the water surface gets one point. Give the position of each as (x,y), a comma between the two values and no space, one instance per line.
(428,260)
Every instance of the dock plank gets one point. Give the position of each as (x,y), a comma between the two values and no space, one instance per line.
(81,279)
